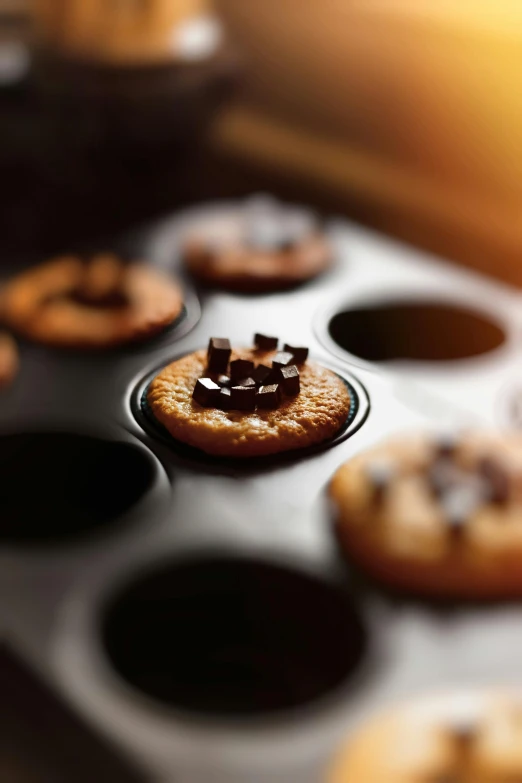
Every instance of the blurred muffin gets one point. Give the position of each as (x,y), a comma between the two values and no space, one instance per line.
(92,303)
(440,516)
(259,247)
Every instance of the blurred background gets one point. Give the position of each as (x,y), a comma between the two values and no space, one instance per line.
(403,114)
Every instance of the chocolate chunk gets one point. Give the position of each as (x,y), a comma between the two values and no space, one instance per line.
(246,382)
(300,354)
(224,399)
(243,398)
(223,380)
(261,373)
(290,383)
(240,368)
(206,392)
(219,351)
(269,396)
(282,359)
(265,343)
(446,444)
(496,479)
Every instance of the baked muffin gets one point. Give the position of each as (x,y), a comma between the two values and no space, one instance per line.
(96,303)
(471,737)
(436,515)
(249,402)
(265,246)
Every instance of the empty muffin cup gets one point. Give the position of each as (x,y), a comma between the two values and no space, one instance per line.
(57,486)
(223,635)
(414,331)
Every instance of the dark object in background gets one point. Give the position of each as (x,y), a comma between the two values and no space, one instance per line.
(42,741)
(92,149)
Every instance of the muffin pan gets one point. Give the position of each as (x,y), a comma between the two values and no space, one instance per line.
(197,613)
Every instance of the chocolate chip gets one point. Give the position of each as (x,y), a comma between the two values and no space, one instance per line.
(261,373)
(219,351)
(265,343)
(497,480)
(243,398)
(240,368)
(223,380)
(445,444)
(269,396)
(206,392)
(282,359)
(300,354)
(224,399)
(246,382)
(290,383)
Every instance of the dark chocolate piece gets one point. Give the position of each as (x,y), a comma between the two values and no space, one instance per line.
(243,398)
(261,373)
(224,399)
(282,359)
(290,383)
(240,368)
(246,382)
(300,354)
(206,392)
(265,343)
(223,380)
(218,355)
(446,444)
(496,479)
(269,397)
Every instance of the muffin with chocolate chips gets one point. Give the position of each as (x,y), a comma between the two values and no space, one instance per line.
(97,302)
(249,402)
(463,737)
(264,246)
(436,515)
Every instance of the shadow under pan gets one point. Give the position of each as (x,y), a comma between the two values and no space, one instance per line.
(428,331)
(233,636)
(56,486)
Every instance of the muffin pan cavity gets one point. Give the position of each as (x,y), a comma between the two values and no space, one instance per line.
(57,486)
(415,331)
(231,636)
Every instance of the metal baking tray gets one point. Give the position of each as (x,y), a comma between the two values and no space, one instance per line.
(196,614)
